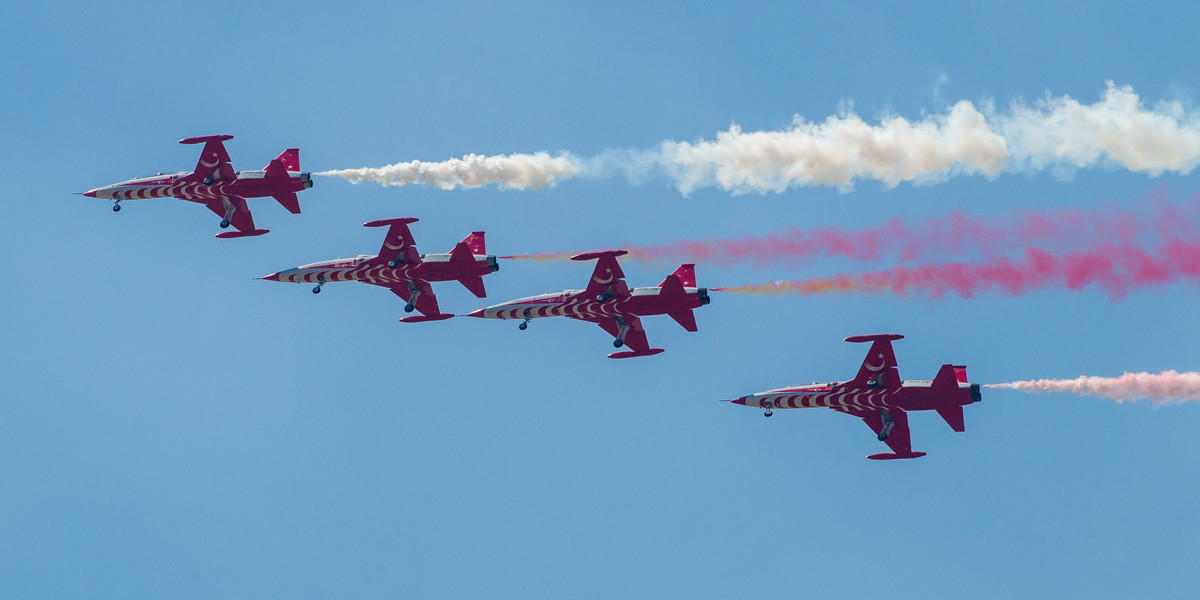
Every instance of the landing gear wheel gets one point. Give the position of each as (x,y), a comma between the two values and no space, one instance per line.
(408,308)
(224,223)
(317,290)
(116,208)
(767,413)
(208,180)
(523,326)
(618,343)
(601,298)
(393,264)
(882,437)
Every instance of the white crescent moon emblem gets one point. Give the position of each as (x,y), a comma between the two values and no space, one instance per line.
(389,245)
(203,163)
(873,367)
(603,281)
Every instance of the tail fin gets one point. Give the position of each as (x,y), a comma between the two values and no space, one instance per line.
(289,160)
(475,243)
(686,274)
(879,367)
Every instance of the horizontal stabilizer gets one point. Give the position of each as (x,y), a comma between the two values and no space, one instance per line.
(636,353)
(289,201)
(947,377)
(954,417)
(461,253)
(474,285)
(225,235)
(686,318)
(671,287)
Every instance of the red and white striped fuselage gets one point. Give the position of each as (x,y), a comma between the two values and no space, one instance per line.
(911,395)
(433,267)
(246,184)
(641,301)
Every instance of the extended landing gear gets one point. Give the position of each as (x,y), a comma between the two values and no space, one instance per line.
(320,284)
(601,298)
(229,208)
(622,330)
(413,294)
(888,423)
(395,262)
(524,324)
(767,413)
(117,206)
(208,180)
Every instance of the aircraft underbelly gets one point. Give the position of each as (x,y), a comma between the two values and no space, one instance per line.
(853,400)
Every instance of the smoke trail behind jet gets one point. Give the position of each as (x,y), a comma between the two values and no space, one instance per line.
(1116,270)
(510,172)
(1163,388)
(1059,134)
(954,235)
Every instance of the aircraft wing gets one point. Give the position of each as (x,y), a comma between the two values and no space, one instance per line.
(398,243)
(214,160)
(899,438)
(242,219)
(426,303)
(607,277)
(635,338)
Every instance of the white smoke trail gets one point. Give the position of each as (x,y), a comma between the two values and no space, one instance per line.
(1059,134)
(1163,388)
(511,172)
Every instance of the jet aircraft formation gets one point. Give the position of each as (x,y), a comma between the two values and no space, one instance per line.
(876,394)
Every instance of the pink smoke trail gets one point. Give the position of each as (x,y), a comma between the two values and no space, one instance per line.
(955,234)
(1117,270)
(1163,388)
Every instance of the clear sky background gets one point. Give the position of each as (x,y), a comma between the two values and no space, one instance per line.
(172,428)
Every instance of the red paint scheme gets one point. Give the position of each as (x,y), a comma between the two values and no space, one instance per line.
(400,268)
(610,303)
(878,396)
(217,186)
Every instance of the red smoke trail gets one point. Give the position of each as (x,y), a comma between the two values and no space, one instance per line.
(953,235)
(1117,270)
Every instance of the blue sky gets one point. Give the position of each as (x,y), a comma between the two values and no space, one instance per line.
(171,427)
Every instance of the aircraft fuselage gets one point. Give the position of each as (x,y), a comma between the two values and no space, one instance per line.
(641,301)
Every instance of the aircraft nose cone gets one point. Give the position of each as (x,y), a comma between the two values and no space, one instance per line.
(90,193)
(477,313)
(271,277)
(741,400)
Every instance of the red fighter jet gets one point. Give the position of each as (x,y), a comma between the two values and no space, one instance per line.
(609,303)
(400,268)
(216,185)
(879,397)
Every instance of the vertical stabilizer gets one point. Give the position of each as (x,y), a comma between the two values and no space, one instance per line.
(475,243)
(686,274)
